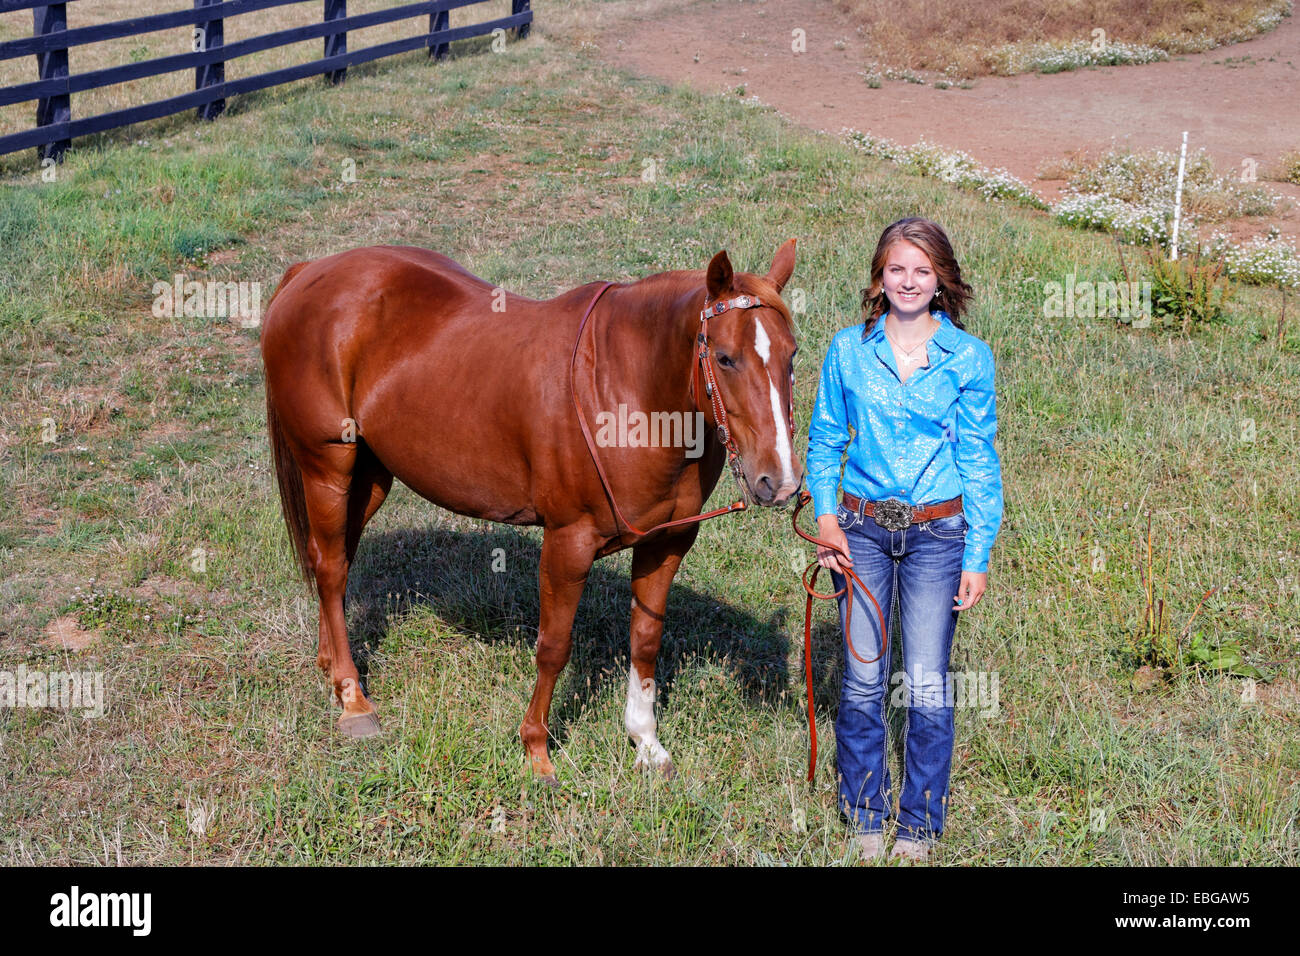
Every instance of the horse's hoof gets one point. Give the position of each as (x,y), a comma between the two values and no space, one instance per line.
(552,781)
(664,767)
(359,725)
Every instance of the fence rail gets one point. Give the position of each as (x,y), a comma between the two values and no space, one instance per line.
(51,40)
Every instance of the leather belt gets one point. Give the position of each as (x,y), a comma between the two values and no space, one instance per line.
(896,515)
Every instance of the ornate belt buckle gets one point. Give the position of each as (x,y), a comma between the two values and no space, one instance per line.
(893,515)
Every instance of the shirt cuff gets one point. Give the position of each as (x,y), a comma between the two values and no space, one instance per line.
(824,500)
(975,559)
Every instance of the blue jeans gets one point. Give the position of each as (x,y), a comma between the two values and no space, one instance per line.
(921,567)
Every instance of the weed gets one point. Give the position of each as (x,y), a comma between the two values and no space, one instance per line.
(1191,290)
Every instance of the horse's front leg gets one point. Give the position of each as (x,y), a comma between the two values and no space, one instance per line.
(567,555)
(653,565)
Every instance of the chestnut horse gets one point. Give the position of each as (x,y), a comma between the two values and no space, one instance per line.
(396,361)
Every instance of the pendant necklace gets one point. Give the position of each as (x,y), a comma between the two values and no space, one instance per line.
(908,357)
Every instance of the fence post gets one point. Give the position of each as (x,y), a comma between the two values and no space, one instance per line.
(439,21)
(336,43)
(52,65)
(519,6)
(209,35)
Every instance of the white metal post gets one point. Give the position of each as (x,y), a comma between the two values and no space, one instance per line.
(1178,196)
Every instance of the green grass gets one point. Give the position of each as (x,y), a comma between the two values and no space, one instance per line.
(219,745)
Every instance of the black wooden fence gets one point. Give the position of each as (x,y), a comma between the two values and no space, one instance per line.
(51,39)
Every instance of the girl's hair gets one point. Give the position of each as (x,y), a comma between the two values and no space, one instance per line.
(951,295)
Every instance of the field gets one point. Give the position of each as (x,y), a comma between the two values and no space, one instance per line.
(144,541)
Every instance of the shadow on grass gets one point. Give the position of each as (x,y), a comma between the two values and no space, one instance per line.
(452,574)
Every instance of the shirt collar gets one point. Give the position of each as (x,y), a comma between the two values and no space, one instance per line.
(945,336)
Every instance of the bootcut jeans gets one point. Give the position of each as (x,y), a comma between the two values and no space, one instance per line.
(920,569)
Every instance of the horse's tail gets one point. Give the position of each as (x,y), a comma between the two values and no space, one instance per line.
(285,279)
(293,502)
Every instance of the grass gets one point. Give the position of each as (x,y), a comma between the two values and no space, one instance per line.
(1138,176)
(160,43)
(152,521)
(981,37)
(949,165)
(1287,168)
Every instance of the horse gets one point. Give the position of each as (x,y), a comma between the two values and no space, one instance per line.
(397,362)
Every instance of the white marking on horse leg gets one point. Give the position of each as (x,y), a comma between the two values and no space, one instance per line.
(639,718)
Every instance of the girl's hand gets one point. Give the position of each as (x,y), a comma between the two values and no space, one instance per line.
(828,529)
(971,589)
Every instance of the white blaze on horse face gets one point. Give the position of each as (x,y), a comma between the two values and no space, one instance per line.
(639,718)
(763,345)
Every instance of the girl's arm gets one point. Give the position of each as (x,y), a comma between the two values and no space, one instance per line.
(978,464)
(828,433)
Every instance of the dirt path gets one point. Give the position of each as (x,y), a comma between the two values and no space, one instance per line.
(1247,109)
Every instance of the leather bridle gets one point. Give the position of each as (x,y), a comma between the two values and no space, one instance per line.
(702,367)
(704,363)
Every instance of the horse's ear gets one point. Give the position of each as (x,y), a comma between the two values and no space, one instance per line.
(718,280)
(782,266)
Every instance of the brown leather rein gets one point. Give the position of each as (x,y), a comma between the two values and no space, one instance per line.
(704,365)
(703,362)
(808,585)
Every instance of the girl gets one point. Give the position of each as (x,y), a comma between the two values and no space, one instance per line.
(921,506)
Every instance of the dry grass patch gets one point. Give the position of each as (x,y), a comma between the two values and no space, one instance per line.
(964,39)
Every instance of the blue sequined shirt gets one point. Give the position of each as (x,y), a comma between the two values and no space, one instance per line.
(923,441)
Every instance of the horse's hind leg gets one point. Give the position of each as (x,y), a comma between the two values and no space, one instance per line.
(654,564)
(371,483)
(327,484)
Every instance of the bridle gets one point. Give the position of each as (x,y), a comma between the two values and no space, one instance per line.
(702,367)
(704,363)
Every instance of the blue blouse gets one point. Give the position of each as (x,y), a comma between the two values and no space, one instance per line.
(926,441)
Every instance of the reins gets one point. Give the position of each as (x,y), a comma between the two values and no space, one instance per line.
(702,361)
(808,585)
(704,365)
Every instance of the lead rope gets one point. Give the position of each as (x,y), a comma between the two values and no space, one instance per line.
(733,454)
(808,585)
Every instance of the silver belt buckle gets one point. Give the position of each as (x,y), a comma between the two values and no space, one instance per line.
(893,515)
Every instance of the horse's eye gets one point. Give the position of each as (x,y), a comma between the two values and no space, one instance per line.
(725,360)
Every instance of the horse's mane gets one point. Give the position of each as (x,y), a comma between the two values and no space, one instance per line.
(662,290)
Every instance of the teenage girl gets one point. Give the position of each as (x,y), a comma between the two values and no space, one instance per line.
(920,508)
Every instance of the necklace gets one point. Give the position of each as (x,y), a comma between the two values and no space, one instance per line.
(908,357)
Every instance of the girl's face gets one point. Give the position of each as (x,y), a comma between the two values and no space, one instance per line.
(909,280)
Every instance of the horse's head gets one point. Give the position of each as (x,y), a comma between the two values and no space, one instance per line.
(751,353)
